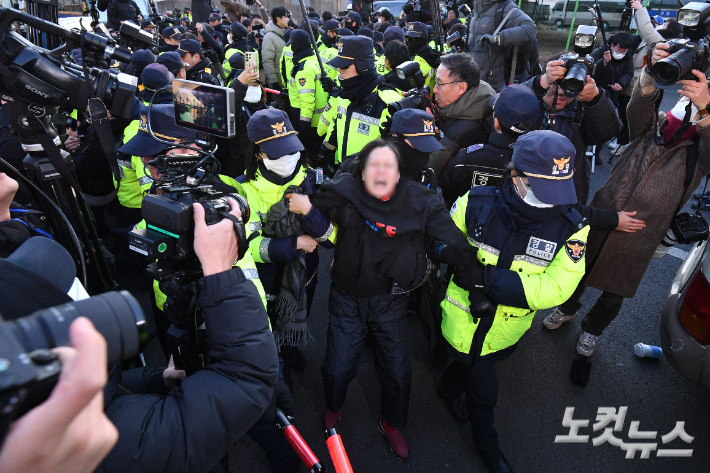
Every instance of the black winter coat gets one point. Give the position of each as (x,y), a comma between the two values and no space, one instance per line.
(616,72)
(118,11)
(382,242)
(598,124)
(191,428)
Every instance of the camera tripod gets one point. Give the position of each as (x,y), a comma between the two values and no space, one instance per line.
(35,132)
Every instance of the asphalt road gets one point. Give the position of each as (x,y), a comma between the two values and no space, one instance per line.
(534,391)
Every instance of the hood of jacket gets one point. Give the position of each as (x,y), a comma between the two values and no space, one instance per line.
(472,105)
(273,28)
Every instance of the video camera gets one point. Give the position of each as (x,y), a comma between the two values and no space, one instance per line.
(132,37)
(690,52)
(420,96)
(30,369)
(579,64)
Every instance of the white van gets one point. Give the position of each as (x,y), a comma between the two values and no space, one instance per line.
(563,11)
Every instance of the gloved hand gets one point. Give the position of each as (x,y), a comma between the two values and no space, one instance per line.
(487,39)
(328,84)
(481,305)
(470,278)
(282,399)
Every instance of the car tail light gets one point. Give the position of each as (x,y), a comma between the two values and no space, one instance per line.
(694,312)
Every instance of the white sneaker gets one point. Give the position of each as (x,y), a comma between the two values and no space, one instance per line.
(557,318)
(612,144)
(586,344)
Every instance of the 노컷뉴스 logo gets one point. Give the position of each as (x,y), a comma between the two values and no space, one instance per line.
(610,423)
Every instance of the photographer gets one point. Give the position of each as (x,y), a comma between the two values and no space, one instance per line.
(422,14)
(654,179)
(363,98)
(198,70)
(463,99)
(119,11)
(396,53)
(491,52)
(588,119)
(489,306)
(417,38)
(219,403)
(614,66)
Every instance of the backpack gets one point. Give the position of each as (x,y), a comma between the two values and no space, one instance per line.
(526,57)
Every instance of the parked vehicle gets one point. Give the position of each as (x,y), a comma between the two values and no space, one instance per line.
(685,324)
(562,13)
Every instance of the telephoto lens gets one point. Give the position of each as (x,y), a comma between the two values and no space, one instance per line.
(668,71)
(116,315)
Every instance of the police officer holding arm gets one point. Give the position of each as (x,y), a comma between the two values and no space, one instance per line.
(531,246)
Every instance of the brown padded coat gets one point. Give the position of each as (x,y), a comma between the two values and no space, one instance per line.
(648,179)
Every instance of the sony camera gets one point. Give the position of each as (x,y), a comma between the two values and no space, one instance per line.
(29,367)
(690,52)
(578,68)
(420,96)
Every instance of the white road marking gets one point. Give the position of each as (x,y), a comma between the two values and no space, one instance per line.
(678,253)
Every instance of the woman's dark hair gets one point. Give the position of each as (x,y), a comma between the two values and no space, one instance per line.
(397,53)
(508,171)
(458,27)
(278,12)
(622,39)
(462,68)
(358,165)
(252,162)
(672,29)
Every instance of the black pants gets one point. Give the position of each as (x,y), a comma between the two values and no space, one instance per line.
(623,137)
(479,381)
(603,312)
(350,319)
(281,456)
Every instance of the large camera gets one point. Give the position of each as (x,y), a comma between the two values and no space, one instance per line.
(457,43)
(578,68)
(29,369)
(690,52)
(167,241)
(132,37)
(420,96)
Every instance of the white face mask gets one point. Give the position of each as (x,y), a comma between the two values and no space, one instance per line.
(284,166)
(253,94)
(618,56)
(530,198)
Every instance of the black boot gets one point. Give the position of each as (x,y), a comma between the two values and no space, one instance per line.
(498,465)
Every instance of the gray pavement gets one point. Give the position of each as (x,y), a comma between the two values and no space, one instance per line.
(534,391)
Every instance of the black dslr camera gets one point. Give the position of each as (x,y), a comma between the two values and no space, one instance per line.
(29,369)
(456,42)
(690,52)
(420,96)
(578,68)
(690,228)
(132,37)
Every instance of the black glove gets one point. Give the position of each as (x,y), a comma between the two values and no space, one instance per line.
(487,39)
(282,399)
(472,280)
(481,305)
(304,126)
(328,84)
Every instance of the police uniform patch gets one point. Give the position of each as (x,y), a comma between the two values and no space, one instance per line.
(302,81)
(473,148)
(543,249)
(575,250)
(561,166)
(453,209)
(363,128)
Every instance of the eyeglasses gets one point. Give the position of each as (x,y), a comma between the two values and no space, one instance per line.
(439,84)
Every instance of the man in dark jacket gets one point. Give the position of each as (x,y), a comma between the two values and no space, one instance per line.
(205,413)
(614,66)
(199,70)
(396,53)
(119,11)
(463,107)
(588,119)
(516,111)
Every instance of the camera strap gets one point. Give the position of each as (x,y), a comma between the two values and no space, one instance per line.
(679,132)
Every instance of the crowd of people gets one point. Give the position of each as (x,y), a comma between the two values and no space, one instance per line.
(458,193)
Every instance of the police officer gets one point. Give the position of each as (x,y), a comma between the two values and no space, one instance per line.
(361,106)
(173,62)
(220,31)
(171,39)
(414,132)
(418,44)
(329,39)
(531,246)
(306,94)
(391,33)
(238,44)
(516,111)
(191,52)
